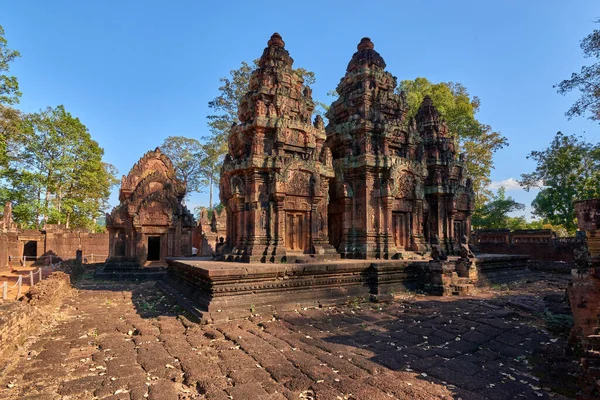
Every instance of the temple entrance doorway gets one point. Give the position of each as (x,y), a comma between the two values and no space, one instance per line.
(401,229)
(336,227)
(30,250)
(296,231)
(153,248)
(120,244)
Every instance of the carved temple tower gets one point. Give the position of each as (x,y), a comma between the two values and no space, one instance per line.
(449,194)
(275,178)
(377,199)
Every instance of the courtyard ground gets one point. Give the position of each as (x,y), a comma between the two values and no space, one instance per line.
(128,341)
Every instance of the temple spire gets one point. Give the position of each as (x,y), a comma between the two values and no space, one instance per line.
(276,41)
(366,56)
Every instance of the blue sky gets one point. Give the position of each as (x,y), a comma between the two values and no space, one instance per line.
(136,72)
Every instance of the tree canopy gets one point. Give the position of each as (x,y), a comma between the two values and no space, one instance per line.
(59,175)
(566,171)
(478,141)
(185,154)
(9,96)
(196,164)
(494,214)
(586,81)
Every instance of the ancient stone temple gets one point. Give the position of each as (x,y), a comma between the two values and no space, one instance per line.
(150,223)
(448,193)
(275,179)
(397,181)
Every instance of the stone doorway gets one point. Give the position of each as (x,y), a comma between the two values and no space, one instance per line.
(458,231)
(296,230)
(401,230)
(153,248)
(30,250)
(336,229)
(120,244)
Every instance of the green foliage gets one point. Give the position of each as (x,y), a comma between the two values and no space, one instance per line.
(9,95)
(587,81)
(458,108)
(9,86)
(210,167)
(185,154)
(494,214)
(59,175)
(566,171)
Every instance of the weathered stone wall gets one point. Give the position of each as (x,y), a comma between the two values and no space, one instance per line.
(63,244)
(538,244)
(20,319)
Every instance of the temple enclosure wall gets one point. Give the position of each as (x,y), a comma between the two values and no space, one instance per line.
(34,246)
(538,244)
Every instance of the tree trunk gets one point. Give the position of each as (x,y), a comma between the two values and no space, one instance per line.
(67,223)
(37,209)
(210,191)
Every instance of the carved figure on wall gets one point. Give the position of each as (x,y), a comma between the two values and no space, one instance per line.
(318,123)
(261,108)
(437,253)
(465,251)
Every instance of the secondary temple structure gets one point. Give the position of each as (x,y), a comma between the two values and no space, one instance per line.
(150,223)
(275,179)
(373,184)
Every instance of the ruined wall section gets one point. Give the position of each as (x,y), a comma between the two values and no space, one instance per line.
(61,244)
(538,244)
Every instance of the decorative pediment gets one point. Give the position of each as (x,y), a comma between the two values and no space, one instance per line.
(151,194)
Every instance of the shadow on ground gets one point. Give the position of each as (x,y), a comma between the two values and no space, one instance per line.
(512,344)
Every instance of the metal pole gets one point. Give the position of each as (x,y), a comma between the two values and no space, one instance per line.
(4,290)
(40,275)
(19,283)
(31,278)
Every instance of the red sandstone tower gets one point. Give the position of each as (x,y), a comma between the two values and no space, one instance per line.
(449,194)
(275,178)
(377,201)
(398,183)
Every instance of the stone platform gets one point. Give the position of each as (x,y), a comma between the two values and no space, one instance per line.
(215,291)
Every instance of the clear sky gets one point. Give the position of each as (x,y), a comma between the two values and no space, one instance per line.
(136,72)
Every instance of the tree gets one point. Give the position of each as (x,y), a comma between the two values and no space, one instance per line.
(566,171)
(9,95)
(478,141)
(225,105)
(9,86)
(494,214)
(186,156)
(59,176)
(210,167)
(587,81)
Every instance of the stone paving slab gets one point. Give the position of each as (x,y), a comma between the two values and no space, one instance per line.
(128,341)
